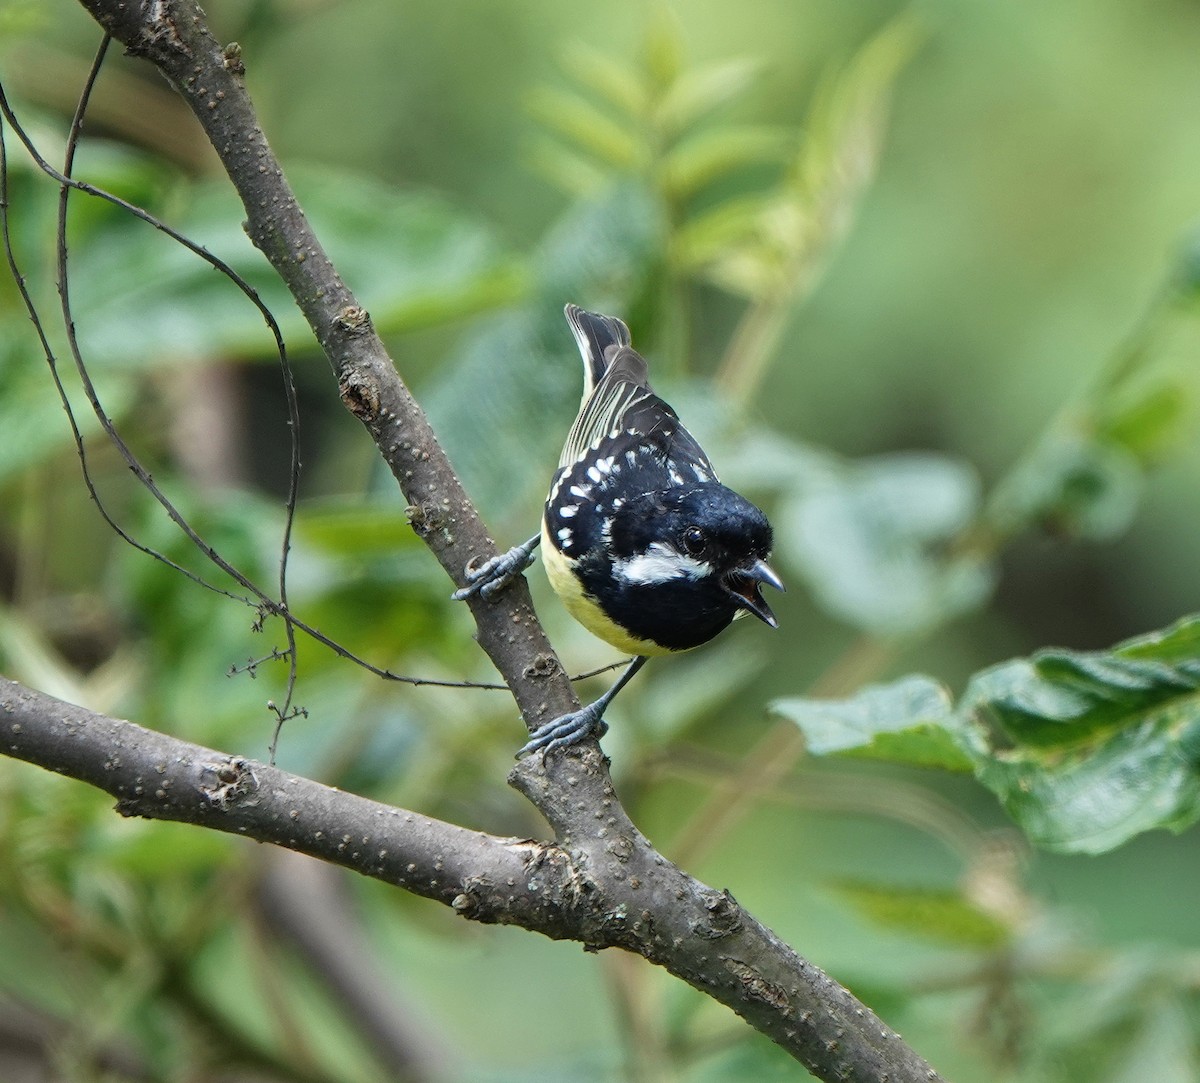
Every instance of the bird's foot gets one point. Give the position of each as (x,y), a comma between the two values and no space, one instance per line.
(492,576)
(566,730)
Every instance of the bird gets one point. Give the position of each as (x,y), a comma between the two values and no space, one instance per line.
(642,543)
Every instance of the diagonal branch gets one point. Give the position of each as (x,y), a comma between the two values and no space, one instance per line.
(601,882)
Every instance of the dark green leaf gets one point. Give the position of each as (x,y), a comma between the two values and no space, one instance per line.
(1070,484)
(1095,747)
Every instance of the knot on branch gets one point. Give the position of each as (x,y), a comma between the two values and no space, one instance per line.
(353,319)
(756,987)
(361,396)
(226,784)
(543,667)
(423,518)
(724,916)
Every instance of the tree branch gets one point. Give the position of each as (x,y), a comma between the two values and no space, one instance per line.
(601,882)
(614,891)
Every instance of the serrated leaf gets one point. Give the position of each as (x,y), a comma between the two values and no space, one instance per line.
(587,127)
(907,721)
(943,916)
(619,84)
(876,547)
(705,88)
(703,158)
(1096,746)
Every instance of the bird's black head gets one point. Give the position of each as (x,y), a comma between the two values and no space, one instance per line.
(702,545)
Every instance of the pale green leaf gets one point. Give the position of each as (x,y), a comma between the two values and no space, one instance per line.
(619,83)
(946,917)
(702,89)
(876,545)
(586,127)
(908,721)
(703,158)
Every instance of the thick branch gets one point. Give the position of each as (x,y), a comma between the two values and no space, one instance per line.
(616,891)
(601,883)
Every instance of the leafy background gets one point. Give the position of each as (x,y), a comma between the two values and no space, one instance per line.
(923,280)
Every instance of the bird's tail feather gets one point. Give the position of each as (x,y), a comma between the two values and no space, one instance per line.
(599,338)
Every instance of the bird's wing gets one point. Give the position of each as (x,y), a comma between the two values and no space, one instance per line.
(622,413)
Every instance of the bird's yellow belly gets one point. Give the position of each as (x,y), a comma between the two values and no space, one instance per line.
(584,609)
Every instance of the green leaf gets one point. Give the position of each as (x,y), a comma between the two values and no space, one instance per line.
(908,721)
(703,89)
(662,49)
(1148,419)
(355,529)
(876,545)
(599,249)
(31,416)
(943,916)
(586,127)
(707,156)
(1092,748)
(1163,1049)
(619,84)
(576,174)
(708,236)
(1071,484)
(413,259)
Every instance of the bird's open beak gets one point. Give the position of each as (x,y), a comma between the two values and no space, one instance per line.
(743,585)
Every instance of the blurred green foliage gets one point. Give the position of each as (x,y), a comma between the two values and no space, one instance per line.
(923,282)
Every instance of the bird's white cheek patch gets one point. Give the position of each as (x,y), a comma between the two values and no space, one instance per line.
(660,564)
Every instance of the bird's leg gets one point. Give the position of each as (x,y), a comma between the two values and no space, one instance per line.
(570,728)
(494,575)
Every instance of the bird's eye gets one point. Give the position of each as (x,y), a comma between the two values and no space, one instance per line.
(693,540)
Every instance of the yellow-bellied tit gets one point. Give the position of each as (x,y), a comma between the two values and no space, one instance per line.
(646,548)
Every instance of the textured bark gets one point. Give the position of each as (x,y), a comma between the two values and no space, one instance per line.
(600,882)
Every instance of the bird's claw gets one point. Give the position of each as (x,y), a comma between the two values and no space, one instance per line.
(566,730)
(492,576)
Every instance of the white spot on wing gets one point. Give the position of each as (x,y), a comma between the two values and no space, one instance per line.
(564,535)
(581,491)
(567,511)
